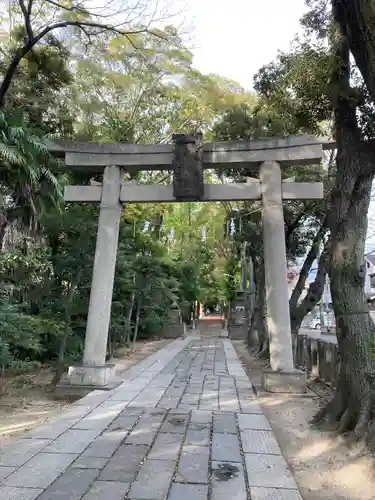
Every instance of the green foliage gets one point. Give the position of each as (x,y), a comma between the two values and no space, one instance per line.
(23,335)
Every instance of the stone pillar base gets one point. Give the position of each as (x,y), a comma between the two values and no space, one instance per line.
(284,382)
(82,379)
(174,331)
(328,331)
(238,332)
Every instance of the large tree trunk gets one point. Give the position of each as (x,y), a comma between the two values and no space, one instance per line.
(254,312)
(263,335)
(358,16)
(258,331)
(352,405)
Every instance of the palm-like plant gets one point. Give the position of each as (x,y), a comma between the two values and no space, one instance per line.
(30,178)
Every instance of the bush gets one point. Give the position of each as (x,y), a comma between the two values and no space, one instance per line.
(22,334)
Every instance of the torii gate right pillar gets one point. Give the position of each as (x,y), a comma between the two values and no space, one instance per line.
(282,377)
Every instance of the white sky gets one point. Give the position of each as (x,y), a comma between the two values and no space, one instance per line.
(235,38)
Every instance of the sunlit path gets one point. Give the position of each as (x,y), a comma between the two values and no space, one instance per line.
(185,423)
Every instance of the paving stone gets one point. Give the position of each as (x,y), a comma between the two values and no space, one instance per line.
(191,390)
(166,447)
(102,416)
(10,493)
(21,451)
(193,467)
(52,430)
(175,423)
(259,442)
(189,407)
(250,406)
(99,445)
(255,422)
(76,411)
(153,480)
(188,492)
(124,423)
(131,412)
(145,431)
(166,402)
(274,494)
(94,398)
(156,414)
(209,396)
(71,485)
(243,383)
(72,441)
(268,471)
(198,436)
(225,423)
(227,381)
(226,447)
(124,464)
(228,403)
(190,399)
(125,396)
(87,462)
(105,445)
(201,416)
(228,481)
(229,392)
(174,392)
(107,490)
(191,449)
(40,471)
(6,471)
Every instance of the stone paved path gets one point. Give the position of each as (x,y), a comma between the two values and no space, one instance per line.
(184,425)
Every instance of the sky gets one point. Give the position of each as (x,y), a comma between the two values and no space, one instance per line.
(235,38)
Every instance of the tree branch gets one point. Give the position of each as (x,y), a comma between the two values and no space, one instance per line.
(292,227)
(26,11)
(310,258)
(315,291)
(30,44)
(73,8)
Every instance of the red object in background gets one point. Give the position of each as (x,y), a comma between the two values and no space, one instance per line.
(291,275)
(211,317)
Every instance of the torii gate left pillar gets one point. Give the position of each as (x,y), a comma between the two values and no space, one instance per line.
(94,372)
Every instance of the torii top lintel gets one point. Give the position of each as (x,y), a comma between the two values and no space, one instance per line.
(292,150)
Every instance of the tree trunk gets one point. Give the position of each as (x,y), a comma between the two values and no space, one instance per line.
(310,259)
(252,334)
(255,316)
(263,335)
(358,16)
(129,320)
(258,331)
(352,407)
(250,308)
(3,228)
(313,295)
(59,371)
(136,323)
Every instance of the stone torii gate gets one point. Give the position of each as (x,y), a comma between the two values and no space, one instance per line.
(187,158)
